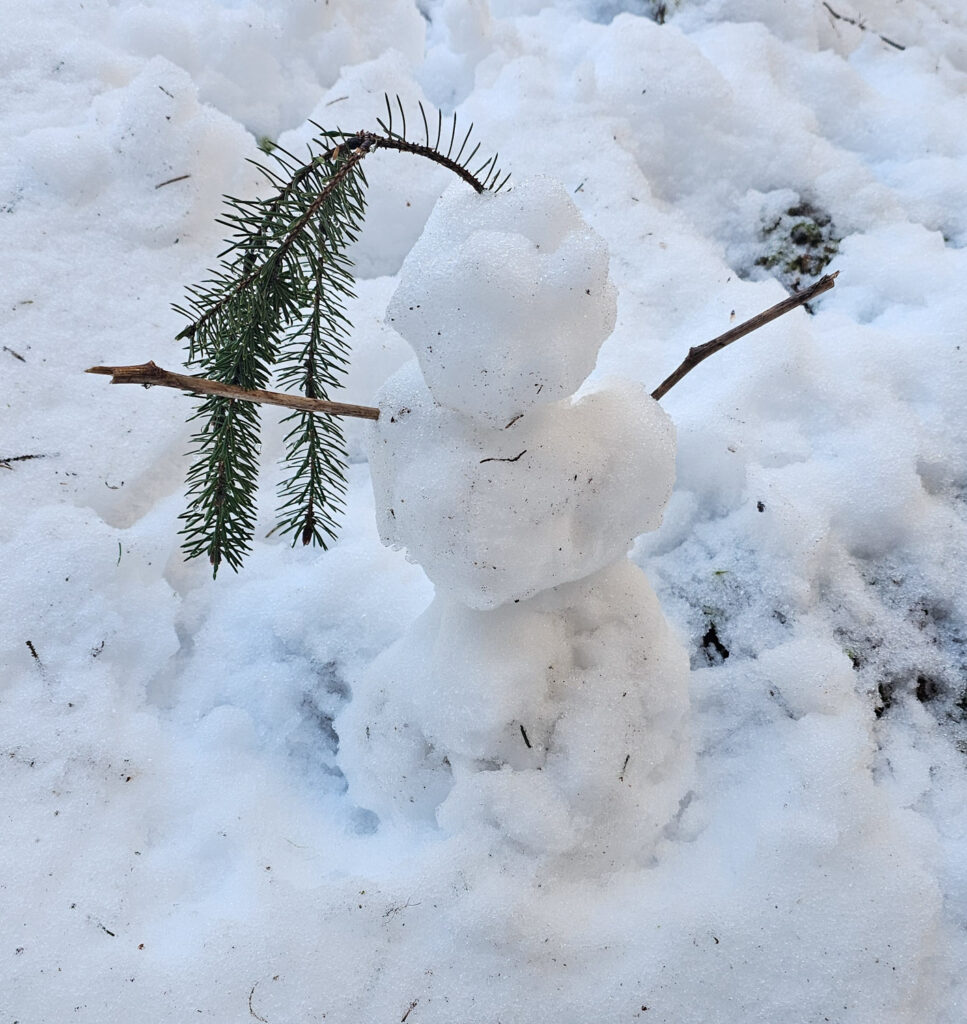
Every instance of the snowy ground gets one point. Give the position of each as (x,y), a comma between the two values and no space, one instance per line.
(177,840)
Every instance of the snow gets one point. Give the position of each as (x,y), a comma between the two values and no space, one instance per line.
(186,833)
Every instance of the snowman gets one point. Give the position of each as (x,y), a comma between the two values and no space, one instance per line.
(541,699)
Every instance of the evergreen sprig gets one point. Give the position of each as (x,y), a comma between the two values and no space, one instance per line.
(276,306)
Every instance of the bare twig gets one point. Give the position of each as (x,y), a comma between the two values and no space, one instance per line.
(5,462)
(150,374)
(863,28)
(251,1009)
(699,353)
(409,1010)
(171,181)
(494,458)
(16,355)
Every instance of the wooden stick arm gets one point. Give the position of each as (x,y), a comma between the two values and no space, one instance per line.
(699,353)
(150,374)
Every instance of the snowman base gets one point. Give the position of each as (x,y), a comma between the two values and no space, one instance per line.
(556,724)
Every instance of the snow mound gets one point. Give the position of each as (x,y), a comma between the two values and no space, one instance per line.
(558,723)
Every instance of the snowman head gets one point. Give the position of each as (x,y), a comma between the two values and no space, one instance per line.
(505,299)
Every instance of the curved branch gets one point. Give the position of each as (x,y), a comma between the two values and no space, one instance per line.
(355,147)
(366,142)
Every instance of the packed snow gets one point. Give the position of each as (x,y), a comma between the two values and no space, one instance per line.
(680,740)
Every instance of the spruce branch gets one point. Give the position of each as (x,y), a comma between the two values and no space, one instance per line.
(315,451)
(214,305)
(275,307)
(223,479)
(220,518)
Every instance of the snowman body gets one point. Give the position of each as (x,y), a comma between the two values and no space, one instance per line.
(541,699)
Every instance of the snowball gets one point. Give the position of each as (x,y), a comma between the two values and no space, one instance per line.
(505,299)
(497,515)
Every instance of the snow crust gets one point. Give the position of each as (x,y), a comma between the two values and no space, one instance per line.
(177,836)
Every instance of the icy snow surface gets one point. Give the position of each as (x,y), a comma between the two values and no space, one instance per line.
(177,839)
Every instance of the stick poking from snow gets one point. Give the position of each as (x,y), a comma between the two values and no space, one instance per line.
(861,26)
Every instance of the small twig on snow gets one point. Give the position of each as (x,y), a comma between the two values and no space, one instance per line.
(251,1009)
(494,458)
(699,353)
(5,462)
(171,181)
(409,1010)
(863,28)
